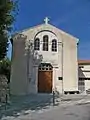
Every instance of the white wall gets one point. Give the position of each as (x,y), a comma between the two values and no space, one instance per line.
(51,57)
(48,56)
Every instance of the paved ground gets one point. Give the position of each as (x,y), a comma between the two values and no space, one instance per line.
(75,112)
(70,107)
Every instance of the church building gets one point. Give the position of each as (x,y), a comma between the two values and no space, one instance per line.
(44,58)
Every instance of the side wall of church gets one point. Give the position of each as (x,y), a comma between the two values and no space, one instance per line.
(70,67)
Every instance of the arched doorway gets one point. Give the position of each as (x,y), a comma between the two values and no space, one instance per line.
(45,75)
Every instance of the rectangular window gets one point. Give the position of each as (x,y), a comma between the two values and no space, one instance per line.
(81,66)
(84,78)
(59,78)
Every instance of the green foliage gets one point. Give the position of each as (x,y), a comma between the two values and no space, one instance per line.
(3,45)
(7,17)
(5,68)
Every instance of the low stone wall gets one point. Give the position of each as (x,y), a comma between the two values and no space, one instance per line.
(4,89)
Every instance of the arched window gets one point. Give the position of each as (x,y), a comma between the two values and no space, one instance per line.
(45,43)
(37,44)
(54,45)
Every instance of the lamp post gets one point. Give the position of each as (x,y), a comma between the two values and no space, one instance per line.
(54,89)
(53,97)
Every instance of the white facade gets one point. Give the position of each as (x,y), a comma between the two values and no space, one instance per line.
(25,60)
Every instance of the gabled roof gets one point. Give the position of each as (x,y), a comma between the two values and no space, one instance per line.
(26,29)
(83,62)
(48,25)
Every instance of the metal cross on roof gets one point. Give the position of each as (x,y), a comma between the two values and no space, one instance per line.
(46,20)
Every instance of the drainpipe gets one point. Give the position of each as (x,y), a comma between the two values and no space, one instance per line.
(62,70)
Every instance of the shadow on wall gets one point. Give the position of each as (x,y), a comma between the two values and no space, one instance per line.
(22,105)
(24,48)
(32,55)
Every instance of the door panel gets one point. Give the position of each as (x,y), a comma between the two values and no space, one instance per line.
(44,81)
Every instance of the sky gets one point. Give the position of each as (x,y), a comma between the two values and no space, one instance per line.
(71,16)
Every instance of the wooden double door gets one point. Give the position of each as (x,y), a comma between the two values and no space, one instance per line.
(45,75)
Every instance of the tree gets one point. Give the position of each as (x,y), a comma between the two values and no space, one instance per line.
(5,68)
(7,17)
